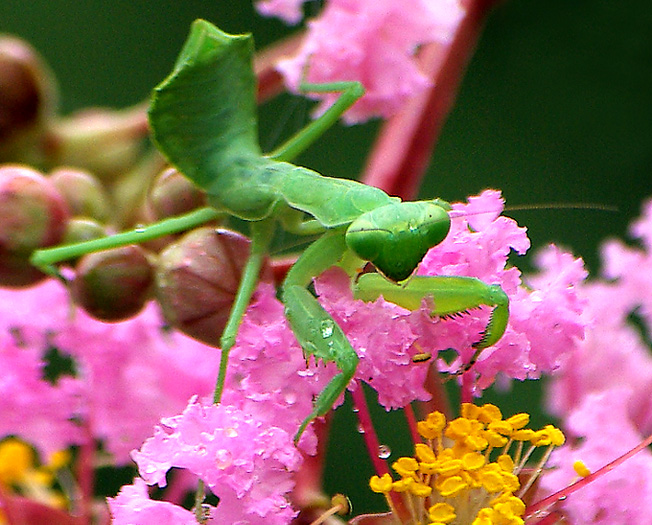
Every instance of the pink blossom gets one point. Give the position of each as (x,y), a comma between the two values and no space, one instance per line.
(374,42)
(32,408)
(602,431)
(384,338)
(246,463)
(545,321)
(132,506)
(288,10)
(614,352)
(133,372)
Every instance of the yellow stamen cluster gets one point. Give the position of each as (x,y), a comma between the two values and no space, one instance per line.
(452,479)
(20,473)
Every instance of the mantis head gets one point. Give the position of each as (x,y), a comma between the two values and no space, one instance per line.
(396,237)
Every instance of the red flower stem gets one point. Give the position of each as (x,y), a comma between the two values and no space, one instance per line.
(308,492)
(439,400)
(86,475)
(270,82)
(466,389)
(368,431)
(373,444)
(574,487)
(403,149)
(412,424)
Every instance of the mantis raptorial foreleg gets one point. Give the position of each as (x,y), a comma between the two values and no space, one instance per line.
(318,334)
(445,296)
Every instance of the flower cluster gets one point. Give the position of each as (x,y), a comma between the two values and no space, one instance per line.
(134,372)
(609,378)
(371,41)
(248,464)
(452,479)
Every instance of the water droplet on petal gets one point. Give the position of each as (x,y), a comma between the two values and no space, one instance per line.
(223,459)
(384,451)
(230,432)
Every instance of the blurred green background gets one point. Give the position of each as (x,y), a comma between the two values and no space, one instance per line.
(556,108)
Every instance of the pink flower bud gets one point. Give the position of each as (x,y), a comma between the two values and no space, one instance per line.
(113,285)
(197,278)
(173,194)
(27,94)
(33,215)
(84,194)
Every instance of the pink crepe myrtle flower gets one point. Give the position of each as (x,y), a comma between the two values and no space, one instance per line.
(371,41)
(614,352)
(133,372)
(132,506)
(600,430)
(287,10)
(545,321)
(383,335)
(248,464)
(31,408)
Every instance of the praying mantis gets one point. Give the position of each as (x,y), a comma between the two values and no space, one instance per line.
(203,119)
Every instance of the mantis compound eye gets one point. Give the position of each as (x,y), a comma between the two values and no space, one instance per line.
(396,237)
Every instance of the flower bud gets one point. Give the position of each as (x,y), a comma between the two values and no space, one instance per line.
(105,142)
(27,95)
(173,194)
(33,215)
(84,194)
(113,285)
(197,279)
(81,229)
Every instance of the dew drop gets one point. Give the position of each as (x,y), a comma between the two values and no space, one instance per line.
(384,451)
(223,459)
(140,229)
(326,328)
(360,428)
(230,432)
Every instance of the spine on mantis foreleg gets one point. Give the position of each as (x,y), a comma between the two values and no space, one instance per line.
(445,296)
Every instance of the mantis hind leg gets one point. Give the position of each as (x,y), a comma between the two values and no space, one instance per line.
(350,91)
(318,334)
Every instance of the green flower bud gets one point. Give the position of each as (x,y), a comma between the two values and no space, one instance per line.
(80,229)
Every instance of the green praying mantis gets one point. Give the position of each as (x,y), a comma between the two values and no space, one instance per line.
(203,118)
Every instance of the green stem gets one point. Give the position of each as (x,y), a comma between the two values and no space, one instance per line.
(200,494)
(46,258)
(261,236)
